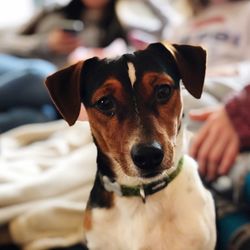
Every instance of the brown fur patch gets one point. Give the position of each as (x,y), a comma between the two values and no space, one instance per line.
(152,79)
(111,86)
(111,133)
(87,220)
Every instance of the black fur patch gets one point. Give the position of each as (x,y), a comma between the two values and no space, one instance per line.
(99,197)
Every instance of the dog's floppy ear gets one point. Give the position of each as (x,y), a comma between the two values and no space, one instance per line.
(191,64)
(64,89)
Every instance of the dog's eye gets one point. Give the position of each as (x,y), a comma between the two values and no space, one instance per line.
(163,93)
(106,105)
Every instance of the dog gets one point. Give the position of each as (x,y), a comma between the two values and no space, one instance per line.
(147,193)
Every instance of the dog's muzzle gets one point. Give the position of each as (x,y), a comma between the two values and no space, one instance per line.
(148,158)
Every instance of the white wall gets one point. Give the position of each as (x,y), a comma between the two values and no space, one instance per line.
(15,12)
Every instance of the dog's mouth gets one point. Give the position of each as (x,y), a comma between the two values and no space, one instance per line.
(152,173)
(155,174)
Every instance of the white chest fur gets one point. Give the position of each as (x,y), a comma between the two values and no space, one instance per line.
(179,217)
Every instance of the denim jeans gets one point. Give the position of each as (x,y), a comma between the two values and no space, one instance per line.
(23,96)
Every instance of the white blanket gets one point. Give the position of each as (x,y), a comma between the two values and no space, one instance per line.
(46,173)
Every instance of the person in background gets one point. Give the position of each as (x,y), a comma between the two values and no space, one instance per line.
(54,34)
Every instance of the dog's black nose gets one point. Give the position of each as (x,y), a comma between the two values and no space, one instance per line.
(147,156)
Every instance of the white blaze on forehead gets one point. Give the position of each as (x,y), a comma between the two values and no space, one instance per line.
(131,73)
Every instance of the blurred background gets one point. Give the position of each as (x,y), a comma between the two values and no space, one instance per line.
(11,16)
(47,169)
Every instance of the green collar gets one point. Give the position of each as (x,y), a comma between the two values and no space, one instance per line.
(140,190)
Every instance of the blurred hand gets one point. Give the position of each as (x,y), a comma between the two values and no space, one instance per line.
(62,42)
(216,145)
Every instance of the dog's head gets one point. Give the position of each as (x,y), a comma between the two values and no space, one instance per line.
(133,103)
